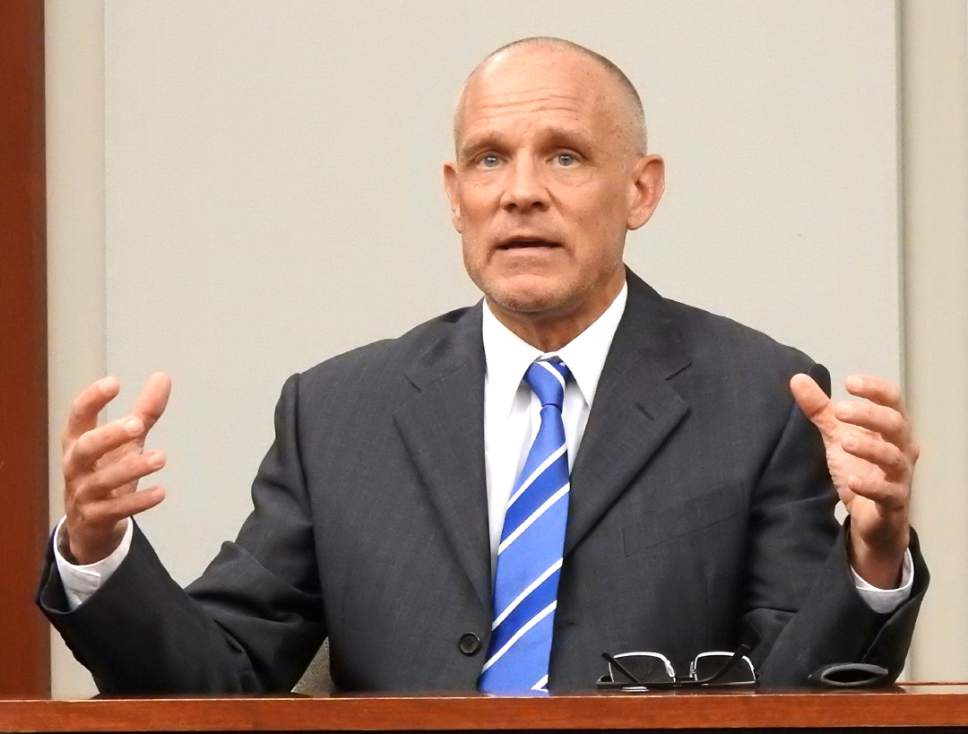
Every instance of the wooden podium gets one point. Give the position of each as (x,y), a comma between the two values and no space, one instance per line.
(911,707)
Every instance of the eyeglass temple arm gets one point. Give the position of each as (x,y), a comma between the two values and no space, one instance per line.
(733,659)
(622,669)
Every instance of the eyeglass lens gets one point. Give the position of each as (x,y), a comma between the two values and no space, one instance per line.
(646,668)
(708,665)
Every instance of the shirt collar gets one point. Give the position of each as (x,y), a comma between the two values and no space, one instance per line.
(507,356)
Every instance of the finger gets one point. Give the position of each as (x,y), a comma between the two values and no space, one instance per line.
(890,495)
(888,422)
(117,508)
(92,445)
(888,457)
(876,389)
(152,399)
(119,475)
(86,406)
(814,403)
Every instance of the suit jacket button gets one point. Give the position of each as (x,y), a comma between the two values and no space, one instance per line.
(469,643)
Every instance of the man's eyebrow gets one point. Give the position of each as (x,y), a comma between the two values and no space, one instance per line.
(556,134)
(477,141)
(569,135)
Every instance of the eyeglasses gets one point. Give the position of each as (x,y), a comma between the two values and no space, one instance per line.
(644,671)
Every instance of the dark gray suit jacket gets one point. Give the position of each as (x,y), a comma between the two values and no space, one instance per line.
(700,516)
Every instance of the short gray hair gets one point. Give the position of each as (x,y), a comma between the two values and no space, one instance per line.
(632,94)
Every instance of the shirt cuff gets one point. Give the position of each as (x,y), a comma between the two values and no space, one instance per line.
(885,601)
(80,582)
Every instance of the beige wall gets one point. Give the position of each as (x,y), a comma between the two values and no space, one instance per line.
(239,190)
(934,44)
(75,242)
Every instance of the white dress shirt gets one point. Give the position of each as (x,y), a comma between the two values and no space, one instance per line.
(511,421)
(512,412)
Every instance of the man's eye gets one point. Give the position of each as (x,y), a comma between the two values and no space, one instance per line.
(566,159)
(488,161)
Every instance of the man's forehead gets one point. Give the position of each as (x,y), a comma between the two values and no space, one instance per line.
(523,82)
(548,100)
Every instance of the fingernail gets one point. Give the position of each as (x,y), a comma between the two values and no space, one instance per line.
(107,384)
(156,459)
(133,426)
(854,383)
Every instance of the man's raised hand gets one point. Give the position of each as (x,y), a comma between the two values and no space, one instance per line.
(871,454)
(102,466)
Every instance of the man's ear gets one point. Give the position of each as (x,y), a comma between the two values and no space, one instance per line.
(645,189)
(451,186)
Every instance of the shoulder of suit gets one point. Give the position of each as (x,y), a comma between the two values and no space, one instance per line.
(387,355)
(712,336)
(707,337)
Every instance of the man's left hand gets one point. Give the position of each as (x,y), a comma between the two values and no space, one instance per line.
(871,454)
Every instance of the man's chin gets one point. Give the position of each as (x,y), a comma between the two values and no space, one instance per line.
(528,301)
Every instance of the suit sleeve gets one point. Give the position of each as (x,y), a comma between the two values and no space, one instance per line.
(251,623)
(802,609)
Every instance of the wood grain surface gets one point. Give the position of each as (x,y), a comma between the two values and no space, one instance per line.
(920,706)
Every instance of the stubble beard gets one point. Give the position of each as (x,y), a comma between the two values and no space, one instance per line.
(550,298)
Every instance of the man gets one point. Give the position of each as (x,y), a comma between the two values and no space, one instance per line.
(575,465)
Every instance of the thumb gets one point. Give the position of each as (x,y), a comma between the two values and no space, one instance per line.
(814,403)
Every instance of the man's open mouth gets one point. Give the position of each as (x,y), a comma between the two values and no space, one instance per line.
(521,243)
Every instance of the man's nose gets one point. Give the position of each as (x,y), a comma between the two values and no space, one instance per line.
(526,189)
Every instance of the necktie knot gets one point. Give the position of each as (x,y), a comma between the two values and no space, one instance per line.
(547,377)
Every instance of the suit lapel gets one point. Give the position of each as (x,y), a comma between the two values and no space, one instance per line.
(443,429)
(634,411)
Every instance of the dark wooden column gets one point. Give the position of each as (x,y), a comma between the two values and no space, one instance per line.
(24,637)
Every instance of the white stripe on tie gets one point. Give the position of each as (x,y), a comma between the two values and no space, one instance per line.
(532,518)
(558,376)
(537,472)
(520,646)
(523,595)
(520,633)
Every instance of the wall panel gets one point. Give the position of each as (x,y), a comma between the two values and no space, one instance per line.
(273,196)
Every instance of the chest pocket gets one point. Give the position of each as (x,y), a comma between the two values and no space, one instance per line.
(725,503)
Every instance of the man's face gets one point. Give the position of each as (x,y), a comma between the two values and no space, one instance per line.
(548,179)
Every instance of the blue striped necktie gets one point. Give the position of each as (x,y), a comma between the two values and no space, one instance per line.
(530,552)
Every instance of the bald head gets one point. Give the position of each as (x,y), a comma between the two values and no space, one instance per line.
(630,117)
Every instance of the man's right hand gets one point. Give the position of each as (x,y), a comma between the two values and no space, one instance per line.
(102,466)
